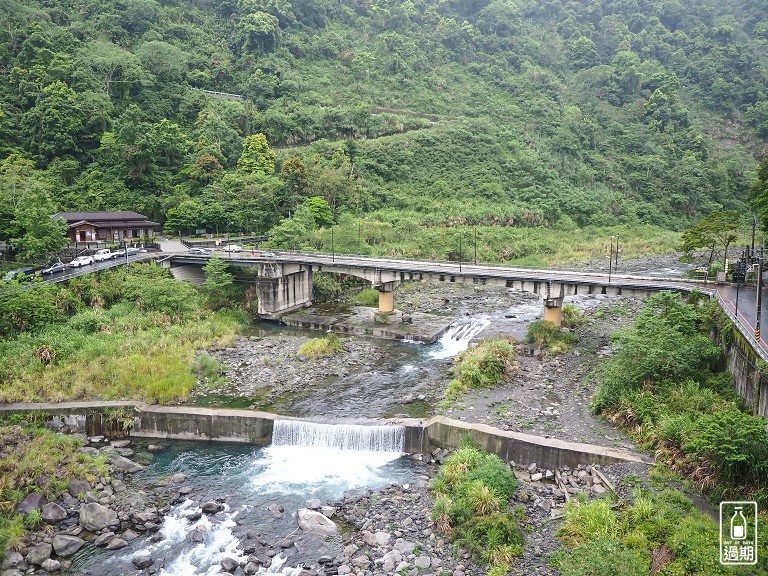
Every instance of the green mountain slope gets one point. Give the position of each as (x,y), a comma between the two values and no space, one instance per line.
(445,113)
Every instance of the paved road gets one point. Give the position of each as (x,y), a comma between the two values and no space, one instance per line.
(82,270)
(747,310)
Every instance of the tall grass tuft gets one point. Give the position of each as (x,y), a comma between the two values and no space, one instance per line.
(326,346)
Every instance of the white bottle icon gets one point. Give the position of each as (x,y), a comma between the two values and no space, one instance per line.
(738,525)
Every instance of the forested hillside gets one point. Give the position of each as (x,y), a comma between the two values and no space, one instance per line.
(391,119)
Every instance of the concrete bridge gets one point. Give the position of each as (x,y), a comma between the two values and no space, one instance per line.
(285,281)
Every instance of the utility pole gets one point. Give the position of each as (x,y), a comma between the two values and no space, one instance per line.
(333,248)
(460,253)
(754,225)
(616,258)
(475,229)
(759,294)
(610,261)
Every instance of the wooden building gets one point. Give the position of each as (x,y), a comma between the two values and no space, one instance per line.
(123,226)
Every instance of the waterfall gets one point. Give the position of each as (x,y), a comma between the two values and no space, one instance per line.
(456,339)
(339,436)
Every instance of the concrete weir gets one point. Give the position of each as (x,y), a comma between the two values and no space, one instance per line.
(248,426)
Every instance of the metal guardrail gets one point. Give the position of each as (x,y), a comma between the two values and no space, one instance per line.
(747,331)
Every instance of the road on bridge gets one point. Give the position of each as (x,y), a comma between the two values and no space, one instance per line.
(726,293)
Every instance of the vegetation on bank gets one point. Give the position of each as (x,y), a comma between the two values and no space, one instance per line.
(656,532)
(546,334)
(130,332)
(664,385)
(482,365)
(35,459)
(471,506)
(326,346)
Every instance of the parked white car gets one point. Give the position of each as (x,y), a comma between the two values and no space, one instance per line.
(103,254)
(81,261)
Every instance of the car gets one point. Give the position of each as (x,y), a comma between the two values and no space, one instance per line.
(268,255)
(232,248)
(130,251)
(81,261)
(24,273)
(104,254)
(54,267)
(199,252)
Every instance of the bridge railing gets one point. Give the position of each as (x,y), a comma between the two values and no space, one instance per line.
(747,330)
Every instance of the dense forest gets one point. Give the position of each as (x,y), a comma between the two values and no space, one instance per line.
(396,118)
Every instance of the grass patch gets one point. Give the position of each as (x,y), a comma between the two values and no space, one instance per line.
(317,347)
(471,505)
(662,530)
(133,342)
(545,334)
(483,365)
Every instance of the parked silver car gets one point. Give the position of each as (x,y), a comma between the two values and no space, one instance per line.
(54,267)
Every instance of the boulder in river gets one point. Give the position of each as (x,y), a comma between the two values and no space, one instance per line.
(95,517)
(315,522)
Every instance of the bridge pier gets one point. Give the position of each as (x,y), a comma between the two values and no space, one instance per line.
(553,310)
(387,296)
(283,291)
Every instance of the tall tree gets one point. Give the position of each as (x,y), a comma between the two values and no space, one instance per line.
(718,228)
(257,156)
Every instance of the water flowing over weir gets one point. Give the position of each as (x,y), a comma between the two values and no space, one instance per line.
(305,460)
(457,338)
(339,436)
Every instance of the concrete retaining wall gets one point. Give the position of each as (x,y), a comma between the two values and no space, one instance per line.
(743,363)
(190,423)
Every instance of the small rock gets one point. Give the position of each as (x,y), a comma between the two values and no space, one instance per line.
(53,513)
(39,554)
(229,564)
(33,501)
(51,565)
(117,543)
(142,560)
(65,545)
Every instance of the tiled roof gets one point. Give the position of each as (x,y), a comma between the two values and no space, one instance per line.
(119,218)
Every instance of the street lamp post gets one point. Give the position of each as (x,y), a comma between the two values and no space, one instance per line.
(460,251)
(333,247)
(475,260)
(616,257)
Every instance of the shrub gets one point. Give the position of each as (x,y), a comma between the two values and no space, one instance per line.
(546,334)
(735,444)
(472,493)
(495,474)
(602,557)
(485,364)
(573,316)
(326,287)
(367,297)
(482,535)
(206,366)
(382,318)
